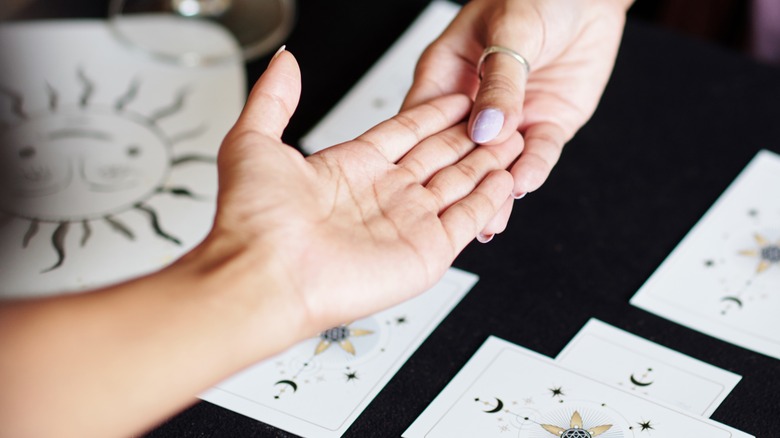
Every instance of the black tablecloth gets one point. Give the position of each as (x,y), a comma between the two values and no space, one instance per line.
(679,120)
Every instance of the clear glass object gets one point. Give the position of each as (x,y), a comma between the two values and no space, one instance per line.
(192,32)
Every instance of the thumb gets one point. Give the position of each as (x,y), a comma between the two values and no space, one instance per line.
(498,106)
(274,97)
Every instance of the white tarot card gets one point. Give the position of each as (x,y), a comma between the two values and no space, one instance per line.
(381,91)
(108,157)
(723,279)
(644,368)
(320,386)
(506,390)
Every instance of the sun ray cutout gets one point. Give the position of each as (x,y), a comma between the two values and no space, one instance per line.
(16,102)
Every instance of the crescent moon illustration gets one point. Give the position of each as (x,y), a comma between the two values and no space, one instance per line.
(498,407)
(638,383)
(292,384)
(734,299)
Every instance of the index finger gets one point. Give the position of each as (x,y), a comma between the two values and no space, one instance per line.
(447,64)
(439,72)
(394,137)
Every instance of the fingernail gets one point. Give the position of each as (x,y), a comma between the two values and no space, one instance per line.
(487,125)
(520,196)
(485,238)
(278,52)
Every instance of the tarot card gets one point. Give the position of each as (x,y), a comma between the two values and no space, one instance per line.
(505,389)
(649,370)
(380,93)
(723,279)
(320,386)
(108,156)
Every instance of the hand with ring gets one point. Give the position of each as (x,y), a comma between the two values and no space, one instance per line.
(536,70)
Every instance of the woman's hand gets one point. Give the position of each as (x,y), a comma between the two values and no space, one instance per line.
(365,224)
(571,47)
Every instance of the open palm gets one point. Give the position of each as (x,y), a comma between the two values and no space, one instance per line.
(365,224)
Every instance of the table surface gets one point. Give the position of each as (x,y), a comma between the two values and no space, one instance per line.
(679,119)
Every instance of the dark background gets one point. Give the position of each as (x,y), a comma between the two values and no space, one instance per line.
(684,112)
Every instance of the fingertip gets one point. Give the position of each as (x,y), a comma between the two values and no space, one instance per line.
(492,125)
(278,52)
(284,59)
(274,97)
(485,238)
(527,179)
(498,223)
(487,125)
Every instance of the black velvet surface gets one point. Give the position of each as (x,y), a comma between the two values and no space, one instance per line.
(679,119)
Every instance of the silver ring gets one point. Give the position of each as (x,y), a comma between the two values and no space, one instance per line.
(498,49)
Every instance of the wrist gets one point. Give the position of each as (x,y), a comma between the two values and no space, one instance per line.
(243,282)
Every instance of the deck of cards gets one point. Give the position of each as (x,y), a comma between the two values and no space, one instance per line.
(606,383)
(722,279)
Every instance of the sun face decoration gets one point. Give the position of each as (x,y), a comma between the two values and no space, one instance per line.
(575,429)
(767,252)
(72,165)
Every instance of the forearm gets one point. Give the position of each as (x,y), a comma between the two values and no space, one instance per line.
(118,360)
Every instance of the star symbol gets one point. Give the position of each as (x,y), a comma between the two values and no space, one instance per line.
(557,391)
(400,320)
(352,375)
(645,425)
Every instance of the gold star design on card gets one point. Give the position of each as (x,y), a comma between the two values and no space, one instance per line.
(768,253)
(575,429)
(340,335)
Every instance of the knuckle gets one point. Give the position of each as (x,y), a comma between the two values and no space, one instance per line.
(408,123)
(416,167)
(277,101)
(469,171)
(452,143)
(470,211)
(437,194)
(498,85)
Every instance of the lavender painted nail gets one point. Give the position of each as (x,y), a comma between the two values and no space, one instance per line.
(487,125)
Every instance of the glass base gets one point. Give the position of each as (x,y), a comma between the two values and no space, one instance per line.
(186,31)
